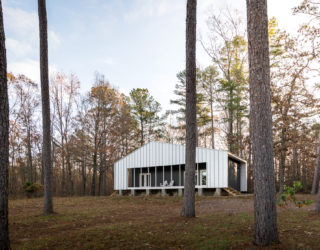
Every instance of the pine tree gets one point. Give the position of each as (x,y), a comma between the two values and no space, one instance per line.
(4,141)
(265,213)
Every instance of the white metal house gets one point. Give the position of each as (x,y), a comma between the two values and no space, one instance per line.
(161,166)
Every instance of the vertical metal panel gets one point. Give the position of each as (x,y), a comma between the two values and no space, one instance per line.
(161,146)
(120,175)
(243,179)
(210,168)
(138,153)
(150,152)
(125,173)
(225,169)
(118,172)
(157,154)
(153,155)
(220,178)
(197,155)
(216,168)
(142,156)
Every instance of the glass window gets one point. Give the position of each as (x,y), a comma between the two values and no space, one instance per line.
(203,177)
(145,179)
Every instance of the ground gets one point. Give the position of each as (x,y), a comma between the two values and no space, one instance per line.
(153,223)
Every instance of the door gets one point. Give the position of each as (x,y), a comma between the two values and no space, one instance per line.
(145,180)
(234,174)
(203,177)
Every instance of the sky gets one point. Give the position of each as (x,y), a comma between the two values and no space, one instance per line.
(133,43)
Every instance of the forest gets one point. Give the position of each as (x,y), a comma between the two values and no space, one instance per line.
(93,130)
(259,99)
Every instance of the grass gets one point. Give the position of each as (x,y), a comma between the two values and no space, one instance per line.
(152,222)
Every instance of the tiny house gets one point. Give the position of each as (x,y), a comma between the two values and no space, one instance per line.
(159,166)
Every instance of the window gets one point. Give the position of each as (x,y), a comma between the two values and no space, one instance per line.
(145,180)
(203,177)
(196,181)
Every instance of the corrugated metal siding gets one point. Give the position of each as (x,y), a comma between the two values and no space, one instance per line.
(243,181)
(165,154)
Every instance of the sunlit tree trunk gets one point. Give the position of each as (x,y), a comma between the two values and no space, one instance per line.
(4,141)
(282,160)
(265,213)
(44,75)
(188,209)
(212,118)
(318,201)
(29,156)
(315,182)
(84,175)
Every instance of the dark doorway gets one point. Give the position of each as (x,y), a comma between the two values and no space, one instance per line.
(234,174)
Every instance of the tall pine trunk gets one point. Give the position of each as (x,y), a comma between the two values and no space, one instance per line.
(296,175)
(188,209)
(303,173)
(94,174)
(84,176)
(212,118)
(265,213)
(4,141)
(45,98)
(316,170)
(29,156)
(282,161)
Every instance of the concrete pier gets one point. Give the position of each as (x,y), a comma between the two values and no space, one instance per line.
(217,192)
(163,192)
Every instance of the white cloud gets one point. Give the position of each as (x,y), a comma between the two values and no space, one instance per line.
(18,48)
(29,68)
(22,42)
(54,39)
(22,33)
(153,8)
(21,23)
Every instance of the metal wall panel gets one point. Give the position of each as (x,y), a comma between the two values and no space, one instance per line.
(243,181)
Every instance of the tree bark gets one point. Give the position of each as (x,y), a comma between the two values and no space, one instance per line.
(188,209)
(282,161)
(29,156)
(84,176)
(94,174)
(230,126)
(316,170)
(212,118)
(46,145)
(295,165)
(265,214)
(142,134)
(318,201)
(4,141)
(304,173)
